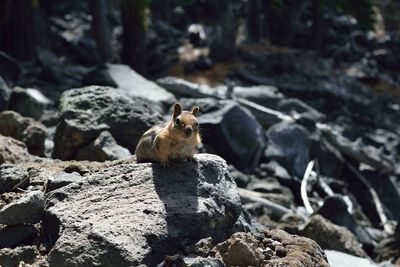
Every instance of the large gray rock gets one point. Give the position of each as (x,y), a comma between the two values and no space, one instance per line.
(5,92)
(13,151)
(230,131)
(288,144)
(88,111)
(27,130)
(62,179)
(132,214)
(28,102)
(103,148)
(27,209)
(130,83)
(11,176)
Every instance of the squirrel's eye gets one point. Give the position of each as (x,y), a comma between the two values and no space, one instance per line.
(178,121)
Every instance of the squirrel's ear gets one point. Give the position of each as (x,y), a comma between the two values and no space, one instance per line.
(177,110)
(195,110)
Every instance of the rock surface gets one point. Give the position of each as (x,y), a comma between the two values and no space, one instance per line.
(130,214)
(11,176)
(340,259)
(28,102)
(28,209)
(288,144)
(88,111)
(332,237)
(13,151)
(230,130)
(13,257)
(27,130)
(103,148)
(134,85)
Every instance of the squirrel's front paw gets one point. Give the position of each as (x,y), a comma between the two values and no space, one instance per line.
(165,163)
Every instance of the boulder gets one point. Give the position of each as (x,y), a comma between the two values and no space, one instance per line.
(13,257)
(28,102)
(230,131)
(271,249)
(13,151)
(14,235)
(11,176)
(5,92)
(288,144)
(132,214)
(24,129)
(88,111)
(130,83)
(28,209)
(332,237)
(103,148)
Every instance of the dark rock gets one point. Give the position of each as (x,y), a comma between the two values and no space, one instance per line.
(132,84)
(275,170)
(335,209)
(13,257)
(231,131)
(202,248)
(288,144)
(241,179)
(332,237)
(62,179)
(264,95)
(241,249)
(11,176)
(13,151)
(5,92)
(149,212)
(88,111)
(12,236)
(387,190)
(102,149)
(27,130)
(28,102)
(28,209)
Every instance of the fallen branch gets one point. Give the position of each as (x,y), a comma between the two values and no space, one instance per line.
(251,196)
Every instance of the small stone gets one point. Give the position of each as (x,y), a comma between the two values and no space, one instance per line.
(62,179)
(280,251)
(27,209)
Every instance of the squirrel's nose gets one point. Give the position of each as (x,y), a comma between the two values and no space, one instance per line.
(188,130)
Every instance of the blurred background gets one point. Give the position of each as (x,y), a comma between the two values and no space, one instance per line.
(300,97)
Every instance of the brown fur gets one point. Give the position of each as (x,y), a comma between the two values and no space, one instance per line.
(177,140)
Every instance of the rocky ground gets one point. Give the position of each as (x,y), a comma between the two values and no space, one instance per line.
(299,164)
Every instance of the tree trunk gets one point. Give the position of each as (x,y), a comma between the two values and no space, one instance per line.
(18,31)
(101,30)
(133,40)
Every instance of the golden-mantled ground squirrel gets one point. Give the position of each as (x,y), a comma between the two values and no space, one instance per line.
(177,140)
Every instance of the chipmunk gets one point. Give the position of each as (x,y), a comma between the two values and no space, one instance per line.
(177,140)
